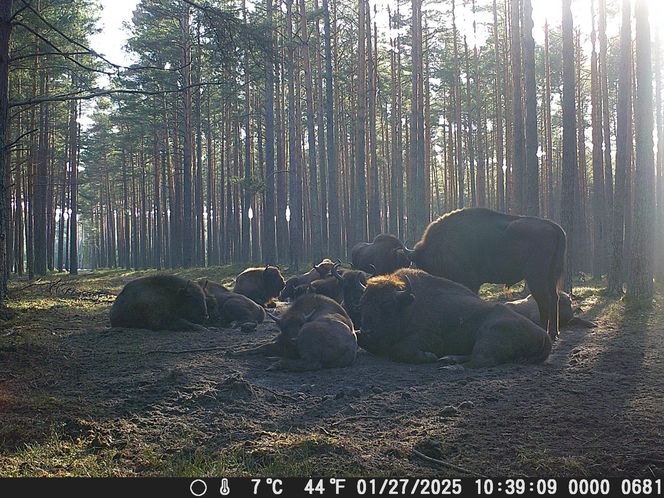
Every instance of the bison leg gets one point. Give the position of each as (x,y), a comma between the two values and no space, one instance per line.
(182,324)
(409,352)
(453,359)
(293,365)
(546,297)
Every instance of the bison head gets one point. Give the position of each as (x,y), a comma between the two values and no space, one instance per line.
(324,267)
(385,305)
(353,283)
(192,302)
(289,289)
(273,281)
(290,325)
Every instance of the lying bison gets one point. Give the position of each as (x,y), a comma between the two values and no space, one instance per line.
(474,246)
(160,302)
(261,285)
(228,308)
(528,308)
(315,333)
(294,285)
(382,256)
(328,286)
(353,283)
(413,317)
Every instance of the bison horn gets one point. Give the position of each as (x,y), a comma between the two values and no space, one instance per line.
(373,270)
(359,281)
(410,253)
(335,271)
(205,284)
(308,316)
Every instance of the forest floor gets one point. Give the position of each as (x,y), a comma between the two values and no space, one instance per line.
(78,398)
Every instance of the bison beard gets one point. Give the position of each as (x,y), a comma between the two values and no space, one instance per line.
(413,317)
(476,245)
(160,302)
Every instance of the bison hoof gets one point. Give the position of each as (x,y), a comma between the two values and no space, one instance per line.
(452,367)
(248,326)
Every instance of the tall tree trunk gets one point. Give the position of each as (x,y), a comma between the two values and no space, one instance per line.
(5,33)
(569,201)
(640,279)
(518,136)
(332,166)
(599,214)
(500,161)
(374,189)
(606,114)
(359,215)
(314,213)
(269,247)
(531,177)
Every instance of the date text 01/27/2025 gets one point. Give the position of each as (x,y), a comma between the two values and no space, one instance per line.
(467,486)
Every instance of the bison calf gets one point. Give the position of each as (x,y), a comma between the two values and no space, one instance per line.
(528,308)
(228,308)
(160,302)
(296,286)
(315,333)
(414,317)
(261,285)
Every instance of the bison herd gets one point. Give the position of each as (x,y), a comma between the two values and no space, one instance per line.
(428,313)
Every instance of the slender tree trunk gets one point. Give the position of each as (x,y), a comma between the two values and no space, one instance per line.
(500,161)
(269,247)
(531,177)
(5,33)
(569,201)
(640,279)
(599,214)
(518,136)
(332,166)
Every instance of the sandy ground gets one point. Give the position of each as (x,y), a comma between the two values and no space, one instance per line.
(163,403)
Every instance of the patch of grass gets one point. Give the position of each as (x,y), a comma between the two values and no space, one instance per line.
(59,456)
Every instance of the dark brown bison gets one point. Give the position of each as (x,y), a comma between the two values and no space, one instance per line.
(382,256)
(353,283)
(321,270)
(475,246)
(413,317)
(228,308)
(315,333)
(328,286)
(528,308)
(261,285)
(160,302)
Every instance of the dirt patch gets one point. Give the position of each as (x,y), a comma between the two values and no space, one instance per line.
(80,398)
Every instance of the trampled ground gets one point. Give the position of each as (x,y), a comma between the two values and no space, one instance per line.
(79,398)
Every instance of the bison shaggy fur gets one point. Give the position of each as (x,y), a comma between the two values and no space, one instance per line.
(413,317)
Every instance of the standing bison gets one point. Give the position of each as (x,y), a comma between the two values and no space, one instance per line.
(475,246)
(382,256)
(413,317)
(229,308)
(261,285)
(160,302)
(315,333)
